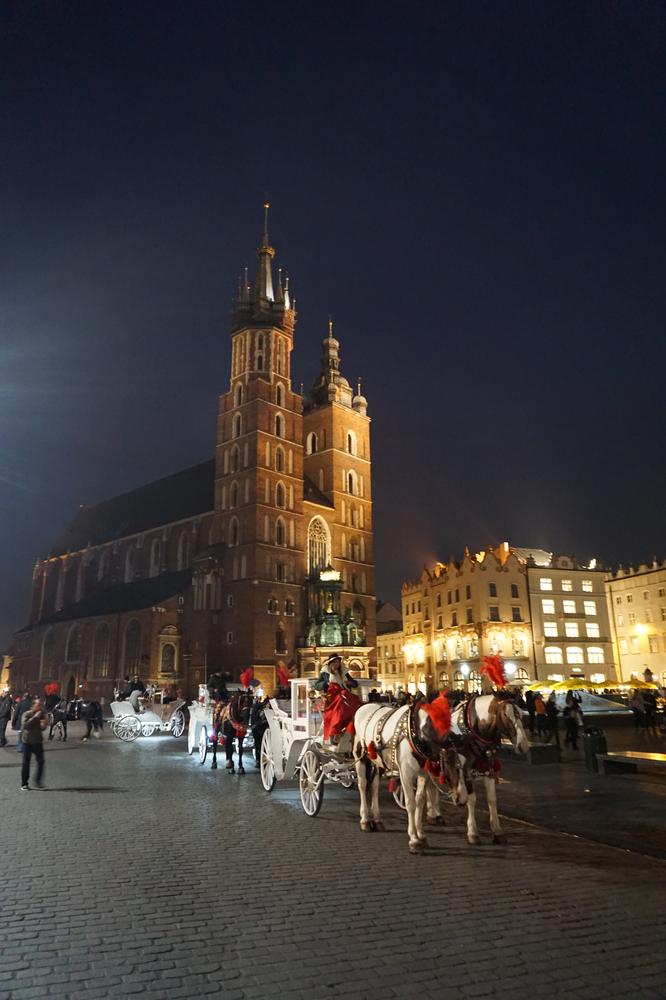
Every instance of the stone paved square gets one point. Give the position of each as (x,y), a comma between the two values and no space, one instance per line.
(136,871)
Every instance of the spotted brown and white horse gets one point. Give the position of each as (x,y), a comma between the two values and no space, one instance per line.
(412,741)
(478,727)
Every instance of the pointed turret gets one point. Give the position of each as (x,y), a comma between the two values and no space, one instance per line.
(261,303)
(331,385)
(263,288)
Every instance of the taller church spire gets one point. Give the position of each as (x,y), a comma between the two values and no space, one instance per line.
(263,288)
(262,304)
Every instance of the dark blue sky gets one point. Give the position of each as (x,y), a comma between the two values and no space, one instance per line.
(475,191)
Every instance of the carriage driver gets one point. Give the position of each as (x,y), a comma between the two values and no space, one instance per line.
(341,704)
(335,673)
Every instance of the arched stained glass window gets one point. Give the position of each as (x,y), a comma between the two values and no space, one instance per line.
(168,658)
(133,647)
(318,545)
(101,651)
(74,645)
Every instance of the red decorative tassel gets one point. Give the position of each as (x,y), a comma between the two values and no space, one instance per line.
(442,778)
(372,750)
(439,712)
(392,785)
(494,667)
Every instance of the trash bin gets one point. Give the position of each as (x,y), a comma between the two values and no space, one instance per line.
(594,742)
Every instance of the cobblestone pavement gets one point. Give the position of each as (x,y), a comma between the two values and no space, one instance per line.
(137,871)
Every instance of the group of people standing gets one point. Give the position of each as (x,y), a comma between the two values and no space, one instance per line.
(543,715)
(643,704)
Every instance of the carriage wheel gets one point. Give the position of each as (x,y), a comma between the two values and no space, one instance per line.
(58,731)
(128,728)
(311,783)
(267,762)
(147,730)
(177,723)
(399,795)
(203,745)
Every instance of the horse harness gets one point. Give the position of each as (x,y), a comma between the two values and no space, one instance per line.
(406,729)
(470,744)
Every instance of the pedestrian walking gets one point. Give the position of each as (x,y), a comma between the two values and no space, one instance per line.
(6,708)
(650,702)
(572,721)
(540,711)
(35,721)
(637,706)
(552,722)
(20,710)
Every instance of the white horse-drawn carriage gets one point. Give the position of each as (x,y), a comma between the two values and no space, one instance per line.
(153,714)
(293,745)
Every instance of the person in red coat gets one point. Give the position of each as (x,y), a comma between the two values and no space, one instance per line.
(340,703)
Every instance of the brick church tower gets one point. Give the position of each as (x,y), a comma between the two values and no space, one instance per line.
(259,557)
(292,495)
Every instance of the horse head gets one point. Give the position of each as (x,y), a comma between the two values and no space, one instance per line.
(239,707)
(509,721)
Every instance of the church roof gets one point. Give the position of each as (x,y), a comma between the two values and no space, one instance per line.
(313,494)
(173,498)
(123,597)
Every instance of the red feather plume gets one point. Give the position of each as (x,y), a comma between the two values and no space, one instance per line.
(494,667)
(51,688)
(439,711)
(246,676)
(282,677)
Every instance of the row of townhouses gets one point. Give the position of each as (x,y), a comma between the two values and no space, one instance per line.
(547,615)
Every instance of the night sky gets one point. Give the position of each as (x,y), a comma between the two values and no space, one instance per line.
(474,191)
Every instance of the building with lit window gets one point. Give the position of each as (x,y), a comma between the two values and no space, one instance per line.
(260,557)
(570,623)
(637,604)
(458,612)
(390,658)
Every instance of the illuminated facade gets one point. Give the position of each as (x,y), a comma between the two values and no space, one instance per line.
(570,622)
(637,606)
(261,557)
(459,612)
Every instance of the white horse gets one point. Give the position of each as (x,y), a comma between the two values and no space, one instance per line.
(409,740)
(477,729)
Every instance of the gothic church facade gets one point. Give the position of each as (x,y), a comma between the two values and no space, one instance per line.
(261,557)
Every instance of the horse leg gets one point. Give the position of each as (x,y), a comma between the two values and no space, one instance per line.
(239,740)
(407,781)
(229,749)
(472,830)
(377,821)
(362,767)
(499,837)
(434,812)
(420,803)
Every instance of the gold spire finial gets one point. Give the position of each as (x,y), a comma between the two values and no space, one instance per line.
(359,393)
(330,325)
